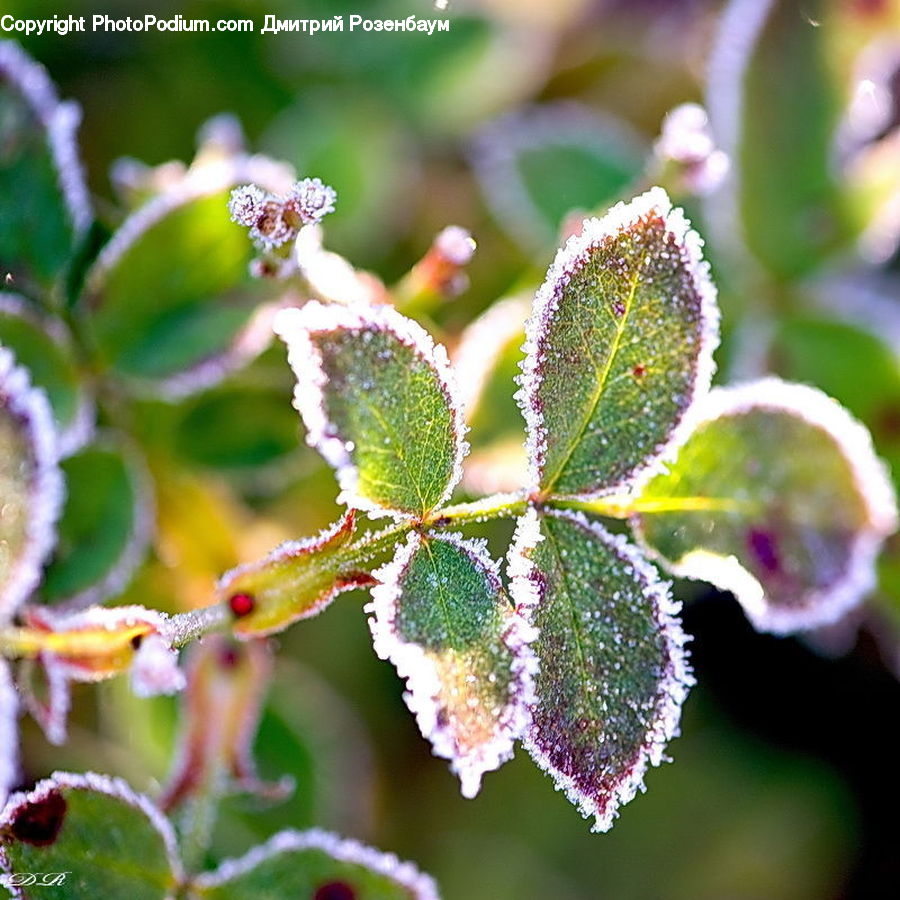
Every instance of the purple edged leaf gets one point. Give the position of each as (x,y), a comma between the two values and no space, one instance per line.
(442,617)
(612,667)
(94,835)
(317,865)
(31,487)
(778,497)
(618,348)
(379,403)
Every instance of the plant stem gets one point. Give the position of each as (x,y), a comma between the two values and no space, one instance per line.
(364,554)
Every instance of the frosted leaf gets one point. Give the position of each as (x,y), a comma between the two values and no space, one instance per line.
(778,497)
(99,642)
(109,840)
(441,616)
(619,347)
(302,863)
(295,581)
(612,672)
(106,525)
(774,90)
(537,165)
(173,305)
(31,488)
(44,346)
(46,209)
(379,403)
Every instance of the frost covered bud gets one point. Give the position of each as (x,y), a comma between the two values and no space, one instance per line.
(246,205)
(273,221)
(310,201)
(455,245)
(439,272)
(271,228)
(687,143)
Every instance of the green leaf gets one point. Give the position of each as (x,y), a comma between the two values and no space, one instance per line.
(44,346)
(441,616)
(295,581)
(31,490)
(856,367)
(172,303)
(95,834)
(378,400)
(774,102)
(612,667)
(45,208)
(236,428)
(486,361)
(778,497)
(106,524)
(619,346)
(537,166)
(314,864)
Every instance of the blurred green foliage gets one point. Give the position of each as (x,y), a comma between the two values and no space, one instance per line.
(393,122)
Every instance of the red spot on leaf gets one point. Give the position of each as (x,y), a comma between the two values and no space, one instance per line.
(639,371)
(242,604)
(335,890)
(763,547)
(39,822)
(229,656)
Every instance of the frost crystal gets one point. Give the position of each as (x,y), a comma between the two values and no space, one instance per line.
(405,874)
(275,220)
(31,481)
(311,200)
(246,205)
